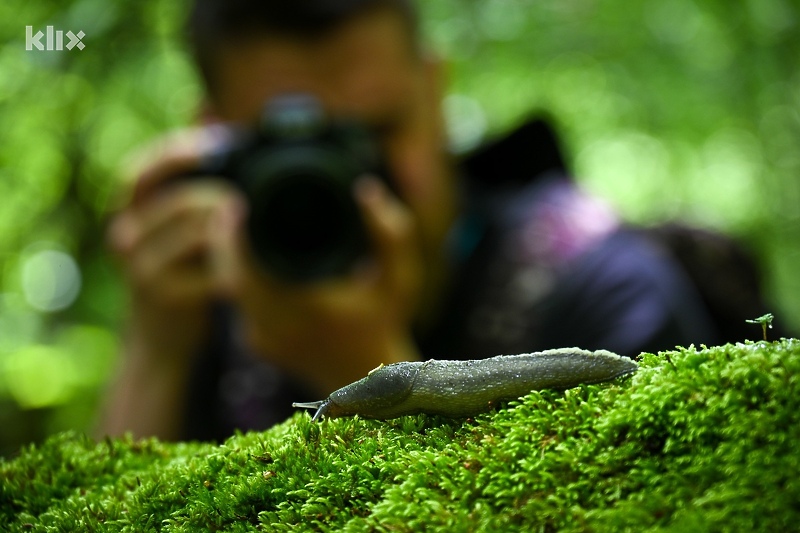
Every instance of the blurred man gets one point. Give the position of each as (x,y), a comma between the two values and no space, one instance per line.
(500,254)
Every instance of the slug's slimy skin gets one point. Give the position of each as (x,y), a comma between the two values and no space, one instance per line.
(466,388)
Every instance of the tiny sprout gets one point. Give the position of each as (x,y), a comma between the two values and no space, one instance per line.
(765,321)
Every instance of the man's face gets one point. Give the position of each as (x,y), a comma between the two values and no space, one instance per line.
(365,69)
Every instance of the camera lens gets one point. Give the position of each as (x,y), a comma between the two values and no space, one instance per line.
(297,169)
(304,223)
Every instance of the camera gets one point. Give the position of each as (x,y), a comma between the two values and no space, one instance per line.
(296,168)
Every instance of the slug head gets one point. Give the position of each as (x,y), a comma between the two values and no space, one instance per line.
(370,397)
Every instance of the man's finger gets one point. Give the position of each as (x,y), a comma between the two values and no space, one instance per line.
(177,154)
(231,256)
(391,226)
(174,206)
(182,285)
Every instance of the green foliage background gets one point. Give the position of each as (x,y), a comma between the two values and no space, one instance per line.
(669,108)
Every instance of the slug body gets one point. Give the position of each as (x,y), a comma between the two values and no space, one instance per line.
(466,388)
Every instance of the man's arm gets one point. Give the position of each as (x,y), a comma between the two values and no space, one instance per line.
(162,240)
(148,397)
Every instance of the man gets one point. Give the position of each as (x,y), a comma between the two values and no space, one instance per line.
(459,267)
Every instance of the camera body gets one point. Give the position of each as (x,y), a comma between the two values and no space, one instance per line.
(296,169)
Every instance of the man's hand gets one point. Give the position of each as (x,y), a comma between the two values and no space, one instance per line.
(331,332)
(161,237)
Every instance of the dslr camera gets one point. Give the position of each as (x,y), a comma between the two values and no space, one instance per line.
(296,168)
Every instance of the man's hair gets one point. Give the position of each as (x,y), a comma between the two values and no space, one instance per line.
(212,23)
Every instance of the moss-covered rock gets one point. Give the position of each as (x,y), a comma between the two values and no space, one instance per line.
(697,440)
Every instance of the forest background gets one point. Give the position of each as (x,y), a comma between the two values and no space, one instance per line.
(669,109)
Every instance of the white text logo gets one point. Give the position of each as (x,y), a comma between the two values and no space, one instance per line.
(54,40)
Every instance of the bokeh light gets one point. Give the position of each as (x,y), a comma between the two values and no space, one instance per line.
(51,280)
(466,122)
(39,376)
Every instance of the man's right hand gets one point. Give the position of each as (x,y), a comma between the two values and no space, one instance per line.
(161,236)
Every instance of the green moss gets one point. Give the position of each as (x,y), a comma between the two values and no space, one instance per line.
(697,440)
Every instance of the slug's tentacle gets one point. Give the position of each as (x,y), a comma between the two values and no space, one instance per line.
(466,388)
(321,407)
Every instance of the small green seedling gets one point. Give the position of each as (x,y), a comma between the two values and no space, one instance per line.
(765,321)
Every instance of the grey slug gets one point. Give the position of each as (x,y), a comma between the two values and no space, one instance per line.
(466,388)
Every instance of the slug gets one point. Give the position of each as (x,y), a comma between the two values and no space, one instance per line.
(465,388)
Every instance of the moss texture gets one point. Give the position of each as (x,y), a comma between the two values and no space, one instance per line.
(697,440)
